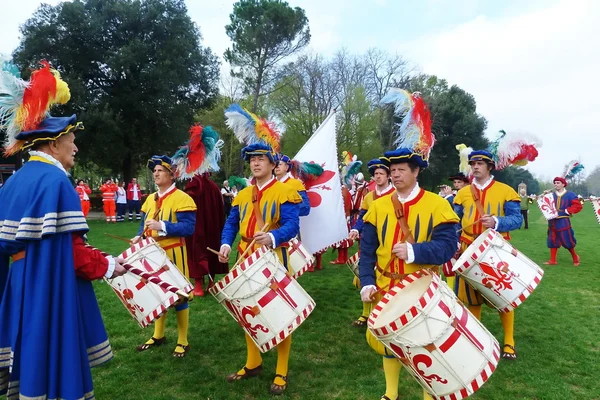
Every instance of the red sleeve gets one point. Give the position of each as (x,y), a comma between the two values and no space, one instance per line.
(87,189)
(90,264)
(575,207)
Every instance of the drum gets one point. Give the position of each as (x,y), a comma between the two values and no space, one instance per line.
(502,274)
(448,266)
(352,263)
(300,260)
(264,299)
(146,301)
(596,204)
(441,344)
(547,206)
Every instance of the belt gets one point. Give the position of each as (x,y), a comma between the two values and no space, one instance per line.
(174,245)
(391,275)
(18,256)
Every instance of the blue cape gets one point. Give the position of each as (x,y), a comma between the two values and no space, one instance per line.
(50,319)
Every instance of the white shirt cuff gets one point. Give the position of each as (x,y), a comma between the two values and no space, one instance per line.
(272,240)
(353,230)
(163,231)
(497,222)
(411,253)
(225,246)
(566,212)
(362,290)
(111,267)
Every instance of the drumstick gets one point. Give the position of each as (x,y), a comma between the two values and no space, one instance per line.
(118,237)
(468,226)
(214,251)
(147,276)
(243,256)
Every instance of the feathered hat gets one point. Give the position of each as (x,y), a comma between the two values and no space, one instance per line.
(258,134)
(571,169)
(413,137)
(350,167)
(25,105)
(509,149)
(163,160)
(305,171)
(201,153)
(238,182)
(377,163)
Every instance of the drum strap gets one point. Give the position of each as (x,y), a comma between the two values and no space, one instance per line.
(477,200)
(390,275)
(399,211)
(260,222)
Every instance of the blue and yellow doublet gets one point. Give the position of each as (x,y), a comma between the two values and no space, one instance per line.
(560,232)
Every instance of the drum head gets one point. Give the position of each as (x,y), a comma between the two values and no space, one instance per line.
(402,301)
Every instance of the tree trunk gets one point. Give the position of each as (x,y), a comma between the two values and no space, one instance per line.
(127,168)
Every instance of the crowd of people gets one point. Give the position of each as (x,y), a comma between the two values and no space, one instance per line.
(48,343)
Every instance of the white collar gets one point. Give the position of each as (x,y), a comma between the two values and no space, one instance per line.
(166,191)
(411,195)
(48,157)
(561,193)
(389,186)
(260,187)
(486,183)
(285,177)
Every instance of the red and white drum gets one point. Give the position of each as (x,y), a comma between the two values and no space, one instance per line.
(441,344)
(146,301)
(300,260)
(547,206)
(264,299)
(596,204)
(352,263)
(502,274)
(448,266)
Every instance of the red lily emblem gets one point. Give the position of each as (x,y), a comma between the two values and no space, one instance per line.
(316,185)
(497,277)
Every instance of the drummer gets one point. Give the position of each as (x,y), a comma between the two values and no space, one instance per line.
(392,248)
(265,214)
(486,203)
(283,175)
(379,168)
(168,216)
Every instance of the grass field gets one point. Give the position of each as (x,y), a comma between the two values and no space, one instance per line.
(557,331)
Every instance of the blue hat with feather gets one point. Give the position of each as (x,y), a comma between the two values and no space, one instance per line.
(258,134)
(163,160)
(482,155)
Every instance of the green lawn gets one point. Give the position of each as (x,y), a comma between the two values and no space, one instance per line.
(557,333)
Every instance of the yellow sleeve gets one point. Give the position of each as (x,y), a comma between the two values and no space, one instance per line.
(289,195)
(367,200)
(444,214)
(243,194)
(184,202)
(460,196)
(147,203)
(371,215)
(512,195)
(298,185)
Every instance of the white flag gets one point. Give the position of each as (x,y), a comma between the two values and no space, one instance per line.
(326,223)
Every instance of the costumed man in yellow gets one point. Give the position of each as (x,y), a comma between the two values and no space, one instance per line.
(487,203)
(379,168)
(266,213)
(168,216)
(408,230)
(283,174)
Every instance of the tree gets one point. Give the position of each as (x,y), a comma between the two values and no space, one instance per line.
(263,33)
(136,70)
(513,176)
(593,181)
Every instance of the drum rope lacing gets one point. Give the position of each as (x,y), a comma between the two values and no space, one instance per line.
(431,339)
(261,287)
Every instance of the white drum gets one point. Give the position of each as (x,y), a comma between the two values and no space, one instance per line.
(264,299)
(144,300)
(352,263)
(300,260)
(502,274)
(441,344)
(547,206)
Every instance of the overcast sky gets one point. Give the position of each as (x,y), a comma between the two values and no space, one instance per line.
(530,64)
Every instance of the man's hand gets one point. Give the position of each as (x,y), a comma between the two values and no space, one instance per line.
(119,268)
(488,221)
(136,239)
(366,295)
(154,225)
(224,254)
(446,190)
(353,234)
(263,238)
(401,251)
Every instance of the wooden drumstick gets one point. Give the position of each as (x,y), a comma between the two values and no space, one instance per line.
(468,226)
(243,256)
(118,237)
(214,251)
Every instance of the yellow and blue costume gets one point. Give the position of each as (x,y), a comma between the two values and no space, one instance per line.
(177,213)
(504,204)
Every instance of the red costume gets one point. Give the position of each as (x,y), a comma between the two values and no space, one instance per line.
(108,199)
(83,191)
(345,244)
(210,219)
